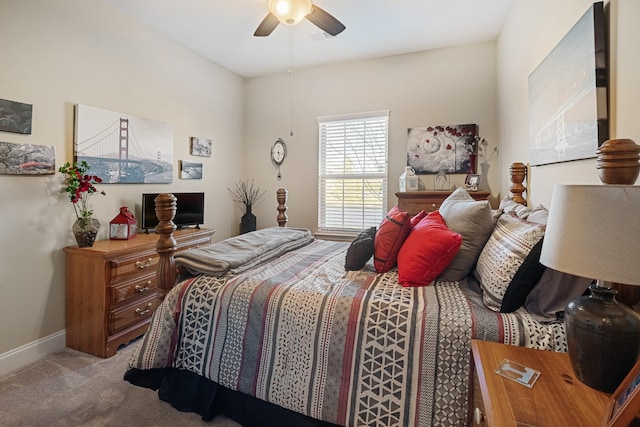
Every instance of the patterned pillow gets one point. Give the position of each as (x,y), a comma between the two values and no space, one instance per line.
(511,241)
(391,234)
(523,281)
(508,205)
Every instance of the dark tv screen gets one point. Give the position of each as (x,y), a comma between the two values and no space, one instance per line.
(189,210)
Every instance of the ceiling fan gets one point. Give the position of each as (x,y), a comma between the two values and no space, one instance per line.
(291,12)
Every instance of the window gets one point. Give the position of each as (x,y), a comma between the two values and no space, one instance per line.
(352,171)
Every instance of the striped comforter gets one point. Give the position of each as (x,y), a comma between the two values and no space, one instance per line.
(351,348)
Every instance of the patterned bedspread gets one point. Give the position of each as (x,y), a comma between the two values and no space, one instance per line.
(352,348)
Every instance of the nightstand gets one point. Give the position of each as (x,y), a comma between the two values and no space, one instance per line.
(557,398)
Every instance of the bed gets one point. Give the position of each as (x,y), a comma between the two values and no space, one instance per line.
(269,328)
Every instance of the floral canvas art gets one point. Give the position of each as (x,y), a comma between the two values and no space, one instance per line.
(447,149)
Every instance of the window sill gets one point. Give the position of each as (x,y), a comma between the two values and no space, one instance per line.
(336,236)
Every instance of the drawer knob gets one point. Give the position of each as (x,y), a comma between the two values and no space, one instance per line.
(478,417)
(141,265)
(140,288)
(141,312)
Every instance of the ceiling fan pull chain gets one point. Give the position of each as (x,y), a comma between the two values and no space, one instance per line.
(291,80)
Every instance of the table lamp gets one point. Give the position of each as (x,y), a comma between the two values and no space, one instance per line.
(593,231)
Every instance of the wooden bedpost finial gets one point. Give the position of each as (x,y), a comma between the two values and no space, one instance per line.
(281,195)
(518,173)
(166,246)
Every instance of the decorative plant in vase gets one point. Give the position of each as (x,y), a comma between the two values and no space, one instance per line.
(248,194)
(79,186)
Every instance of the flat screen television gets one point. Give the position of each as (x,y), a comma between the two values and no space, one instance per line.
(189,210)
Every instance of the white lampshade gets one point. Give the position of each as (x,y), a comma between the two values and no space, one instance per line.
(289,12)
(593,231)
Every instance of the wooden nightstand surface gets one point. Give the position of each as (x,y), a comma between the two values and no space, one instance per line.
(557,398)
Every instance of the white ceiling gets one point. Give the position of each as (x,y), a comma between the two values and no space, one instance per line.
(223,30)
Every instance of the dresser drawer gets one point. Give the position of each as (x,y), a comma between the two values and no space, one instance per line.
(193,244)
(123,268)
(122,293)
(131,314)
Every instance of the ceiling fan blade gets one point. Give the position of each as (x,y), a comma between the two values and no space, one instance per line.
(325,21)
(268,24)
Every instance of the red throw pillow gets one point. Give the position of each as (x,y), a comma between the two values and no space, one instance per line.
(417,218)
(428,250)
(391,234)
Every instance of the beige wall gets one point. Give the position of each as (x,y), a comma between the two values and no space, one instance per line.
(531,32)
(55,55)
(446,86)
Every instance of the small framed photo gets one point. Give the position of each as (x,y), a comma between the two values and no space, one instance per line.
(201,146)
(472,181)
(624,403)
(190,170)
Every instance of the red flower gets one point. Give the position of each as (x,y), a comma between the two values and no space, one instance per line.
(79,187)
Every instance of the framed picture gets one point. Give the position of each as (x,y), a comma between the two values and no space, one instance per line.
(568,117)
(473,180)
(201,146)
(190,170)
(27,159)
(624,403)
(122,148)
(441,149)
(15,117)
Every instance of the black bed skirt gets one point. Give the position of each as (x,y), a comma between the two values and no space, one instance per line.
(189,392)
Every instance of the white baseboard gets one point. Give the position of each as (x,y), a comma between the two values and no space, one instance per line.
(29,353)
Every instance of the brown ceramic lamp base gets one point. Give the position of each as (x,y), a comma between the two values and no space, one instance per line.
(603,338)
(618,161)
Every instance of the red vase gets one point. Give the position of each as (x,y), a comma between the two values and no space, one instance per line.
(472,164)
(472,167)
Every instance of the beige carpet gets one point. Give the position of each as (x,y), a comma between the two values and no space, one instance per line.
(70,388)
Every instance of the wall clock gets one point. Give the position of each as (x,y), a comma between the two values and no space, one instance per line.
(278,154)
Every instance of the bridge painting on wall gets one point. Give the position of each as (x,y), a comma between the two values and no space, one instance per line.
(568,95)
(122,148)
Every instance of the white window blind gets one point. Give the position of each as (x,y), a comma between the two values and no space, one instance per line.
(352,171)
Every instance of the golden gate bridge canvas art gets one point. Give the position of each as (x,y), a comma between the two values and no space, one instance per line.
(123,148)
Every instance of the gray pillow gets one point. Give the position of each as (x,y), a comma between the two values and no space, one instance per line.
(473,220)
(550,295)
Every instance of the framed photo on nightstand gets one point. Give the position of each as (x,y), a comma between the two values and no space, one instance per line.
(625,401)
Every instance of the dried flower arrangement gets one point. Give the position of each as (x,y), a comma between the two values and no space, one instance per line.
(246,192)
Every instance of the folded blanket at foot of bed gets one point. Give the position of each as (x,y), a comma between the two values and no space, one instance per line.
(239,253)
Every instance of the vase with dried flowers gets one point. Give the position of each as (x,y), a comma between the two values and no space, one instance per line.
(79,186)
(247,194)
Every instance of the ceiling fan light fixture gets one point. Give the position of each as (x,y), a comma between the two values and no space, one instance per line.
(290,12)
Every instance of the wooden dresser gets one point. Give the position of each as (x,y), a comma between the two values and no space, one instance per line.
(557,398)
(111,289)
(416,201)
